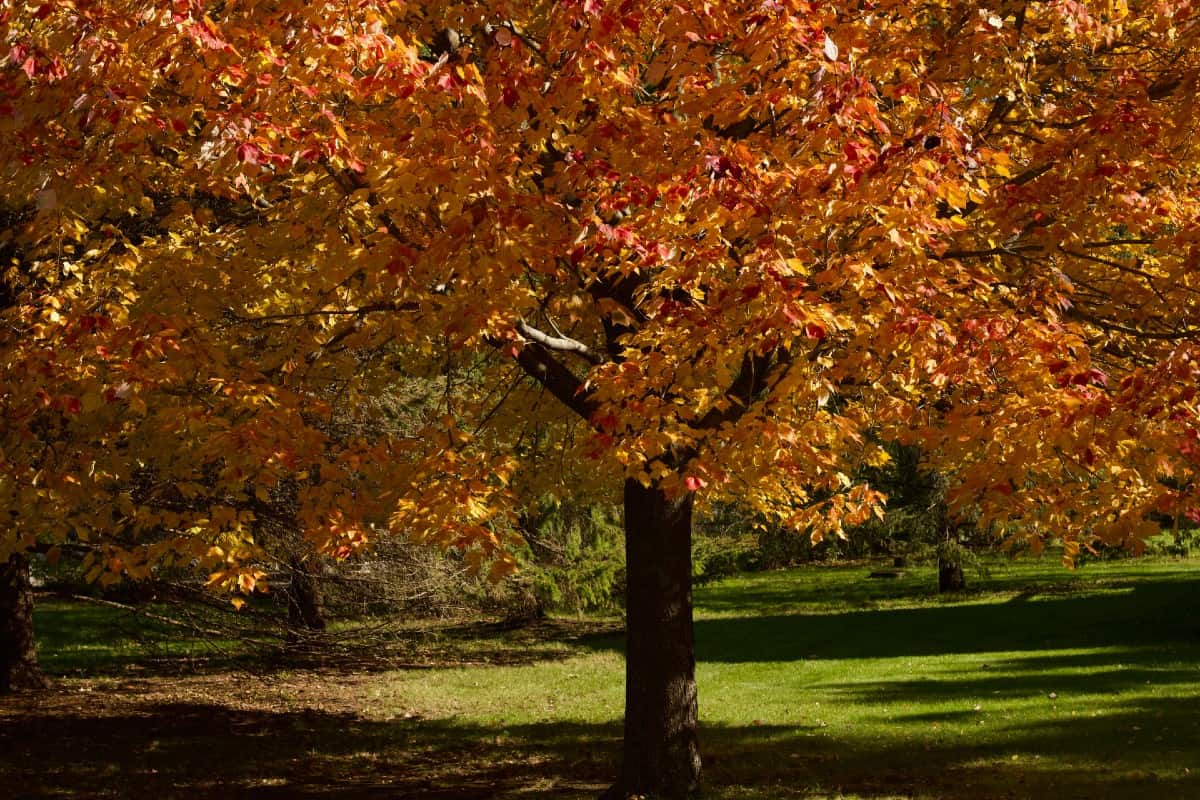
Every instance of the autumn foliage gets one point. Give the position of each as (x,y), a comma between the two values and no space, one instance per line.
(714,249)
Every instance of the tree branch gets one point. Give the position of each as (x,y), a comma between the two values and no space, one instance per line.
(568,388)
(220,634)
(561,343)
(750,380)
(1108,325)
(991,251)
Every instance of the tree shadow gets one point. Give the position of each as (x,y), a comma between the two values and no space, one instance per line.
(1142,615)
(1071,758)
(1056,677)
(81,640)
(200,750)
(848,587)
(212,750)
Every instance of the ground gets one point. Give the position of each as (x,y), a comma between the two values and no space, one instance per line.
(815,683)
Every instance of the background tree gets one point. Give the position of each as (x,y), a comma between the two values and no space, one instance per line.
(734,242)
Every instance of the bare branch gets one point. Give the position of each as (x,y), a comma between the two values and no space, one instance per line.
(1108,325)
(1118,242)
(370,308)
(561,343)
(1003,250)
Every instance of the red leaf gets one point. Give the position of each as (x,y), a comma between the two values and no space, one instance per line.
(208,37)
(250,153)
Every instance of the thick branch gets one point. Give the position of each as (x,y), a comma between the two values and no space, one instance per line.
(568,388)
(561,343)
(750,380)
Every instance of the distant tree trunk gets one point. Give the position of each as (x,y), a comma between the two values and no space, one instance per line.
(950,571)
(278,527)
(19,669)
(306,602)
(950,577)
(949,552)
(662,754)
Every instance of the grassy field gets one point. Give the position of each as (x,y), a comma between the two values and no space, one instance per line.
(816,683)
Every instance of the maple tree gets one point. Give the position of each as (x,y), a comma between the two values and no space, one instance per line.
(695,250)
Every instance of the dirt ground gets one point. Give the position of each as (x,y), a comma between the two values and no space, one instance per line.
(307,733)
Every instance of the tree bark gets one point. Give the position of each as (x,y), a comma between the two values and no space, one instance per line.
(950,571)
(19,669)
(662,754)
(306,602)
(950,577)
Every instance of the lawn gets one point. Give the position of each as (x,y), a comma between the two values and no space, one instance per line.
(816,682)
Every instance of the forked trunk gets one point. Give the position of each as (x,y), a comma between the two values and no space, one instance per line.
(661,756)
(19,669)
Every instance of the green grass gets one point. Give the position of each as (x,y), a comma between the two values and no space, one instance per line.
(83,639)
(816,682)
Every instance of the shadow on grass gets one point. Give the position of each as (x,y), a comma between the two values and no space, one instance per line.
(78,639)
(849,587)
(197,750)
(210,750)
(1143,615)
(1123,754)
(1050,678)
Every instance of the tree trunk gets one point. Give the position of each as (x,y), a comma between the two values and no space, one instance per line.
(19,669)
(662,755)
(950,577)
(950,571)
(306,604)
